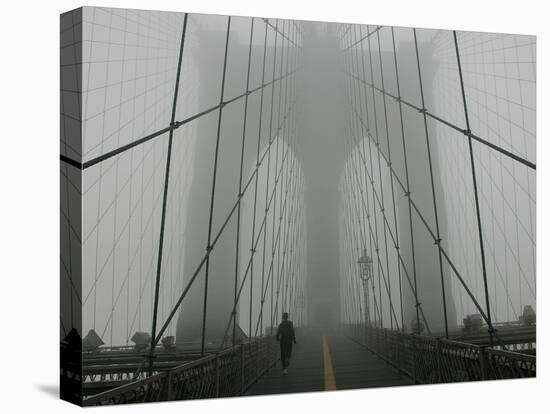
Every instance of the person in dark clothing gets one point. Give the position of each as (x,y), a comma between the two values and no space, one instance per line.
(285,336)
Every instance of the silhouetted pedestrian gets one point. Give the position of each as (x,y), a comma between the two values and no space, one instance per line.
(285,336)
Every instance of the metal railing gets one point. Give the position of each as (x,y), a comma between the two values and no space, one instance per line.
(223,374)
(107,367)
(436,360)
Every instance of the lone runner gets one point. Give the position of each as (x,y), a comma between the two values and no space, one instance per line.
(285,336)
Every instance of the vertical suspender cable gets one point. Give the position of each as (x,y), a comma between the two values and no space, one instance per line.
(252,247)
(408,190)
(165,195)
(436,215)
(396,246)
(240,195)
(213,192)
(476,196)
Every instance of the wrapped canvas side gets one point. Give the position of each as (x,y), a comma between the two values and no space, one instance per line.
(71,206)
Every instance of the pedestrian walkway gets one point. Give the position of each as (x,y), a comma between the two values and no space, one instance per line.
(328,361)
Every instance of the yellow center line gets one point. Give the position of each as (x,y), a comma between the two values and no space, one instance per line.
(330,383)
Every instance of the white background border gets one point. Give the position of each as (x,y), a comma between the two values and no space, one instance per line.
(29,211)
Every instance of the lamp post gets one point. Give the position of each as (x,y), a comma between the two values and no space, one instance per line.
(365,273)
(301,307)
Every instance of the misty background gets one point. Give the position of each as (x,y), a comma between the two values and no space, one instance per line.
(118,76)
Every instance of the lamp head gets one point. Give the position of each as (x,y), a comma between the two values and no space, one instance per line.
(365,263)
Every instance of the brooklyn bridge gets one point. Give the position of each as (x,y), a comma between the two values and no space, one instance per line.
(375,182)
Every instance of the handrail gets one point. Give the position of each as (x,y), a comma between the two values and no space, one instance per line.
(428,359)
(225,373)
(98,398)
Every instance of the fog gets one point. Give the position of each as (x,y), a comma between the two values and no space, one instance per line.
(296,144)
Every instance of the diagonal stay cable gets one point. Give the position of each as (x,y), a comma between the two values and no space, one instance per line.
(175,125)
(466,133)
(247,272)
(271,272)
(418,304)
(385,278)
(214,241)
(279,32)
(263,229)
(434,237)
(362,38)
